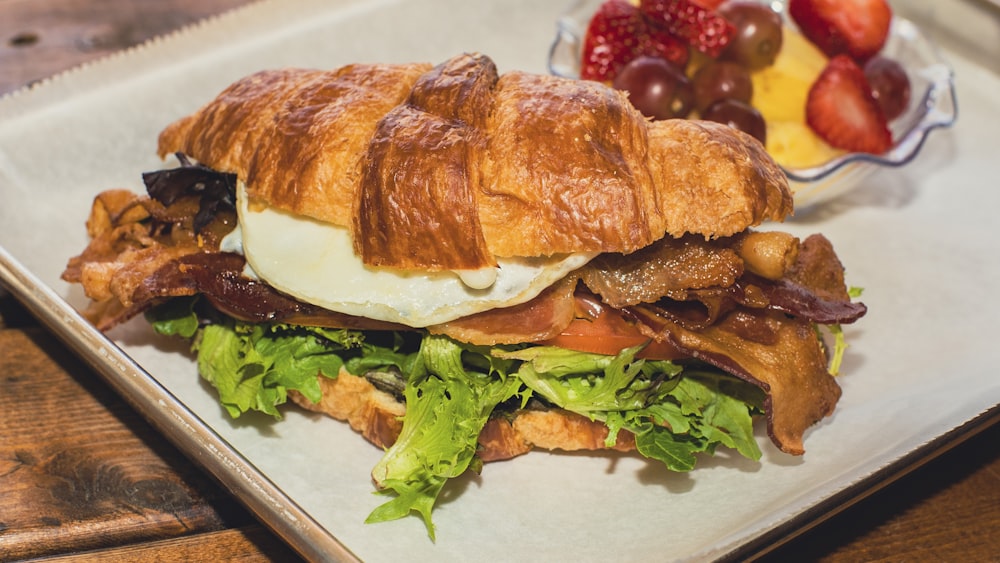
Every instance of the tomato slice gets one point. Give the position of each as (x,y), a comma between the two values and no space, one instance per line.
(600,329)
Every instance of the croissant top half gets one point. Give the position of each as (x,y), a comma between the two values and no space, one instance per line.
(448,167)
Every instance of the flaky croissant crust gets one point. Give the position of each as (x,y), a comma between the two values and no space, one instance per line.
(448,167)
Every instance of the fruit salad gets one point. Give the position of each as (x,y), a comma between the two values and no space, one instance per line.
(810,88)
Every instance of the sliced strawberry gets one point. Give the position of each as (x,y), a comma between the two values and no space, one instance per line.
(857,28)
(842,111)
(614,37)
(701,27)
(660,43)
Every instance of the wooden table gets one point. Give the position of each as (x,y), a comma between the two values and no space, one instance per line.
(82,474)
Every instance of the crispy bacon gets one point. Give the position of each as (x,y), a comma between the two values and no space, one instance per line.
(778,353)
(812,288)
(668,265)
(534,321)
(132,237)
(219,277)
(805,302)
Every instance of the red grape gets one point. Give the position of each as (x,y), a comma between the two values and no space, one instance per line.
(721,80)
(656,88)
(758,34)
(890,85)
(738,115)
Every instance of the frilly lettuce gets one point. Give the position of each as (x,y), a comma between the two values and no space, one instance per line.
(447,406)
(451,389)
(672,416)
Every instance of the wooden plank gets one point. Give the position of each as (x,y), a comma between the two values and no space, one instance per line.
(946,510)
(79,469)
(247,544)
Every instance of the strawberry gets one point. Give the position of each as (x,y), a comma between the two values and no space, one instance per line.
(857,28)
(660,43)
(614,37)
(841,109)
(700,26)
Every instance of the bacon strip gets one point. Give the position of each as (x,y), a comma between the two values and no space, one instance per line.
(779,354)
(219,277)
(541,318)
(668,265)
(804,302)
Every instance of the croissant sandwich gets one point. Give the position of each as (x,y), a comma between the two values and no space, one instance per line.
(466,266)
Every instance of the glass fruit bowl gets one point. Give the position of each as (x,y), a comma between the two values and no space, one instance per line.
(932,102)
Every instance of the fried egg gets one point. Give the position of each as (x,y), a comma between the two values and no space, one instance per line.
(315,262)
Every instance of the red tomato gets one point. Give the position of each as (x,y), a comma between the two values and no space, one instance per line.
(602,330)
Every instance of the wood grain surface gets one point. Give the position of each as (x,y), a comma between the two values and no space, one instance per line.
(83,476)
(81,471)
(94,474)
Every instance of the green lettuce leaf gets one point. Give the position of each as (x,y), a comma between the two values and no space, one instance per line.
(447,405)
(585,383)
(839,341)
(253,366)
(176,317)
(673,417)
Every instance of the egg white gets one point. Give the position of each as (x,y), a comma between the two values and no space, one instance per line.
(315,262)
